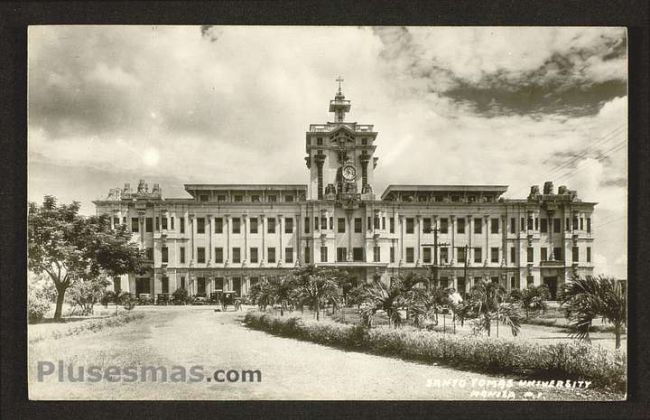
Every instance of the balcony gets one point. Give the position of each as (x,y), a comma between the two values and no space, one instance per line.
(551,264)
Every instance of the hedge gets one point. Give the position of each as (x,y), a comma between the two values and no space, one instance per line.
(575,360)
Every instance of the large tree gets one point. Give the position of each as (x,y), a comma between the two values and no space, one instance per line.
(70,248)
(488,302)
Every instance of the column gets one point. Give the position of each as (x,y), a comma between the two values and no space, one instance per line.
(402,251)
(418,260)
(296,238)
(245,227)
(227,220)
(488,251)
(350,233)
(209,232)
(452,251)
(263,227)
(190,218)
(281,234)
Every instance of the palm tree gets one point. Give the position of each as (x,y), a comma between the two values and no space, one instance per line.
(280,290)
(591,297)
(533,299)
(316,286)
(488,301)
(426,304)
(389,298)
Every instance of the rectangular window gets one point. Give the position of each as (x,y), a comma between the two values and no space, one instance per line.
(323,223)
(391,225)
(182,223)
(135,224)
(288,225)
(148,224)
(236,255)
(494,225)
(575,223)
(376,254)
(203,197)
(543,225)
(254,256)
(218,255)
(557,254)
(536,223)
(478,226)
(164,223)
(270,225)
(165,284)
(218,225)
(567,224)
(157,224)
(340,225)
(575,254)
(522,225)
(165,254)
(182,282)
(307,256)
(588,253)
(323,254)
(513,255)
(271,254)
(306,224)
(200,255)
(410,222)
(172,223)
(588,225)
(530,280)
(149,254)
(253,225)
(426,255)
(426,225)
(513,225)
(236,225)
(200,225)
(460,226)
(357,254)
(544,253)
(255,198)
(410,254)
(494,255)
(316,224)
(530,254)
(357,225)
(239,199)
(116,221)
(369,225)
(444,225)
(460,254)
(288,198)
(272,198)
(288,255)
(556,225)
(182,255)
(383,223)
(341,254)
(444,255)
(376,222)
(530,223)
(392,254)
(478,255)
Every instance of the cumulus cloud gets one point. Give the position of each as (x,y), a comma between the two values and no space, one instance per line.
(513,106)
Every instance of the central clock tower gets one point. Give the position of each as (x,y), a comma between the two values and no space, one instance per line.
(340,155)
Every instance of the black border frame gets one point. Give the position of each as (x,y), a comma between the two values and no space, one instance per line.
(16,16)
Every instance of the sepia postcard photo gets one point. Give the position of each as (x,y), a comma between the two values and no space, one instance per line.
(327,213)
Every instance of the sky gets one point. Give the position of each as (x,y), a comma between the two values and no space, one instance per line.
(174,105)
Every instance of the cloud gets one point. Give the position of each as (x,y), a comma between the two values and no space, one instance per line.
(220,104)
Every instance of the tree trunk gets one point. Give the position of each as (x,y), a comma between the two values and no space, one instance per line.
(60,295)
(617,333)
(317,310)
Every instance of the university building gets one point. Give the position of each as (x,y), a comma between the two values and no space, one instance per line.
(230,236)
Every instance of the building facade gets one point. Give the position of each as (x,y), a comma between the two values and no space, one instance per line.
(228,237)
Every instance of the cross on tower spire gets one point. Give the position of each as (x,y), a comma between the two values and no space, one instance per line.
(339,79)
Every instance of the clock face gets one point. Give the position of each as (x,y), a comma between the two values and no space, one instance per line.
(349,172)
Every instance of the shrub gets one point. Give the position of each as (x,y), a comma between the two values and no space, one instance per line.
(573,360)
(37,307)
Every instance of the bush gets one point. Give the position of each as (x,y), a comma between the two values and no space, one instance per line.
(37,307)
(572,360)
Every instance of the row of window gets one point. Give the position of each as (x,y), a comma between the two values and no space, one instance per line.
(253,198)
(358,254)
(321,223)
